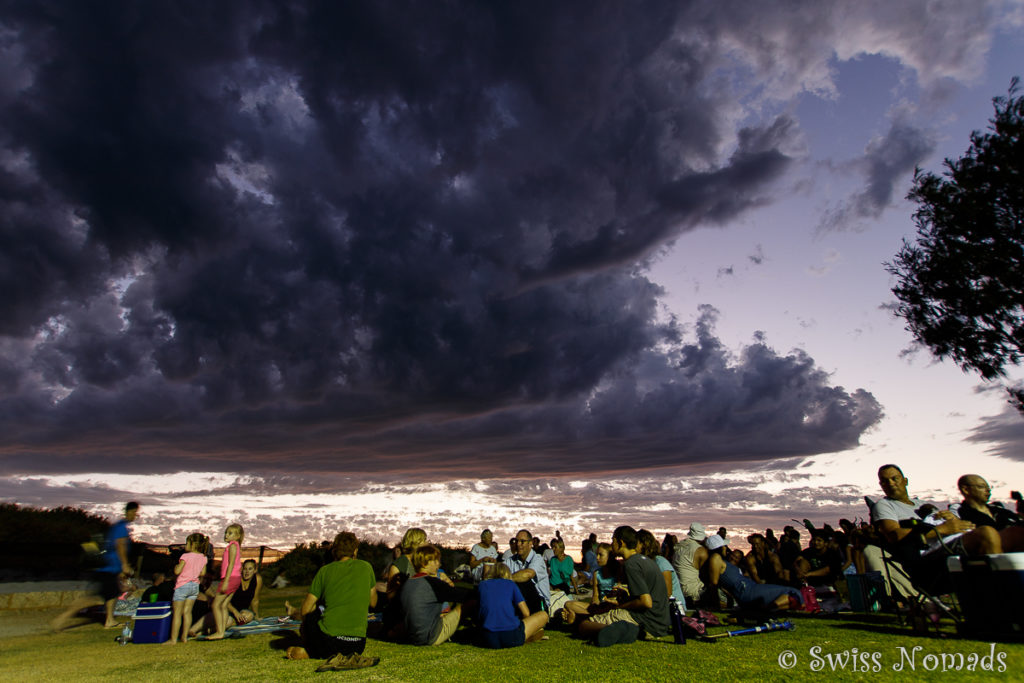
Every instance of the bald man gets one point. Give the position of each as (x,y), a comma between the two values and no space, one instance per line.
(895,516)
(976,509)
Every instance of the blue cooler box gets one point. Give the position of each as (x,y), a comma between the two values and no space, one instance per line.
(152,623)
(991,593)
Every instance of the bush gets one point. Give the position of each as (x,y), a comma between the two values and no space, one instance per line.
(300,564)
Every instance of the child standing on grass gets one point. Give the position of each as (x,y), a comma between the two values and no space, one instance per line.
(230,578)
(189,569)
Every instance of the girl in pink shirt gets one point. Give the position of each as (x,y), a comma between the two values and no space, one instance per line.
(189,569)
(230,578)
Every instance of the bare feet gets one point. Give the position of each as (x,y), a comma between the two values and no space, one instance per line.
(539,635)
(569,617)
(215,636)
(170,642)
(114,625)
(295,652)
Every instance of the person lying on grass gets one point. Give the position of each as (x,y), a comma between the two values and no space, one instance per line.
(504,619)
(334,611)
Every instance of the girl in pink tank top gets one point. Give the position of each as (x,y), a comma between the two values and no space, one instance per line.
(230,578)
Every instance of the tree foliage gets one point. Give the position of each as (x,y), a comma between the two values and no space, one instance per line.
(55,525)
(41,543)
(960,284)
(300,564)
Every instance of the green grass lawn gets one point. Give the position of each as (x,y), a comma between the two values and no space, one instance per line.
(89,653)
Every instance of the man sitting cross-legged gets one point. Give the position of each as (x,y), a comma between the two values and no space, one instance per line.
(644,612)
(531,573)
(336,631)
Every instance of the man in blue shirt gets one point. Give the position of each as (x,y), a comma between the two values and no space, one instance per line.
(115,564)
(530,573)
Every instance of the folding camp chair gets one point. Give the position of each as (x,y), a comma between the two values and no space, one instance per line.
(915,580)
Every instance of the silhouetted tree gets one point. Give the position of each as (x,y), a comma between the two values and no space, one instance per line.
(40,542)
(960,285)
(40,525)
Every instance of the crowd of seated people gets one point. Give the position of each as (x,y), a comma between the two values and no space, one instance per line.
(622,589)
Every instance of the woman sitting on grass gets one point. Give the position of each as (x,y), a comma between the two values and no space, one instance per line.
(748,593)
(401,569)
(244,605)
(603,581)
(561,569)
(500,599)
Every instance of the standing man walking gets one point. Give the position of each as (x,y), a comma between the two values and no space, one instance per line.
(116,563)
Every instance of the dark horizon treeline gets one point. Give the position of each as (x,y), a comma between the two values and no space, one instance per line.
(63,524)
(46,544)
(300,564)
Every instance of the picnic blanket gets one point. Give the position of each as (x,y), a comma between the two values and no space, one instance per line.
(266,625)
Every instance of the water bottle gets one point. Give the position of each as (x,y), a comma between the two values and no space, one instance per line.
(126,633)
(676,617)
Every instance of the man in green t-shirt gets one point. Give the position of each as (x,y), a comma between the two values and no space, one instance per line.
(334,611)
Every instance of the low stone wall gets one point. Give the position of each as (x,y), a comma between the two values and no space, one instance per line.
(45,595)
(43,600)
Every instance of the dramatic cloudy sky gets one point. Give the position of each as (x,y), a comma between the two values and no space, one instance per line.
(315,265)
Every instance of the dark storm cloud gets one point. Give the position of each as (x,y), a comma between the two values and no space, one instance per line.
(1002,433)
(888,161)
(323,237)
